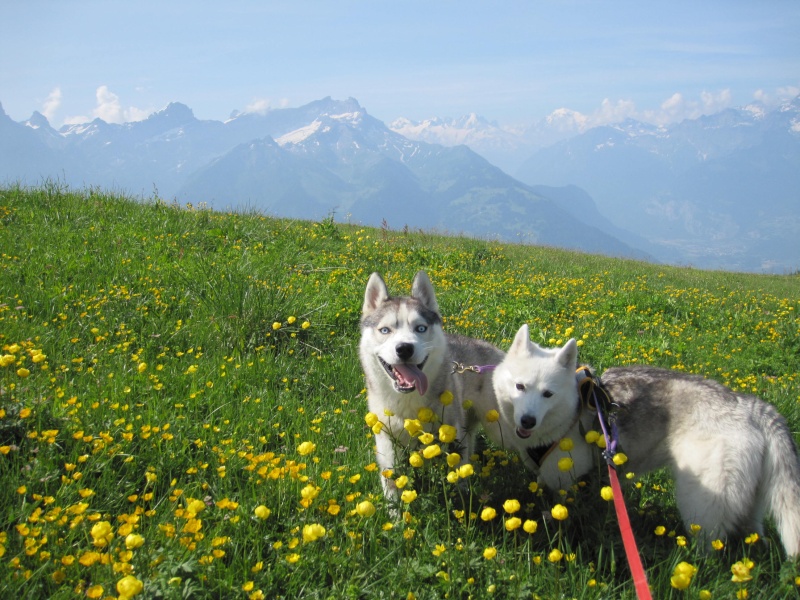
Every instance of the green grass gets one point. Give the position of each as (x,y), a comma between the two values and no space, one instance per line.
(159,360)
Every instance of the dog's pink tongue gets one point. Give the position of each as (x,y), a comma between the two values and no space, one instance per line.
(411,374)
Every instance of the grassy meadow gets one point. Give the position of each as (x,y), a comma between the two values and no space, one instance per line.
(183,413)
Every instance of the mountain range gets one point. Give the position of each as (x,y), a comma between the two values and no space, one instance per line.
(594,191)
(720,191)
(327,157)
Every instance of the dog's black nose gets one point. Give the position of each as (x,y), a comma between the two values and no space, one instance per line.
(528,421)
(404,350)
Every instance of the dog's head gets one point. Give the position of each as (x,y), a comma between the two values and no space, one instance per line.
(401,335)
(539,384)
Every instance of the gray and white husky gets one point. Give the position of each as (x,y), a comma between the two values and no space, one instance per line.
(408,364)
(732,455)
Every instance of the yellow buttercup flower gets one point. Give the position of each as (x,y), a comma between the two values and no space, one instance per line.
(492,416)
(489,553)
(426,415)
(453,459)
(128,587)
(682,575)
(741,571)
(559,512)
(306,448)
(488,513)
(447,433)
(465,470)
(431,451)
(412,426)
(133,541)
(426,438)
(408,496)
(365,508)
(606,493)
(511,506)
(102,534)
(566,444)
(312,532)
(565,464)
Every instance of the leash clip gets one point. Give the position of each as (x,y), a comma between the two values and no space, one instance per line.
(479,369)
(459,368)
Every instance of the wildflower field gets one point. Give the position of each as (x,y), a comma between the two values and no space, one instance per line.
(183,414)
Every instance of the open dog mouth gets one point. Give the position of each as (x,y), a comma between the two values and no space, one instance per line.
(407,377)
(523,433)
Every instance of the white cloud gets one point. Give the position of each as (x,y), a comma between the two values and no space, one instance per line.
(614,112)
(716,102)
(782,94)
(674,109)
(108,107)
(262,106)
(789,92)
(51,103)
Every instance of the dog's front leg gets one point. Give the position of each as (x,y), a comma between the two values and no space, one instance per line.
(385,457)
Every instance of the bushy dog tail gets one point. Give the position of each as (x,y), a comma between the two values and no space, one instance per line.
(781,480)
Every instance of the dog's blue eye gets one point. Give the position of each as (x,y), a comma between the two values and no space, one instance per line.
(547,393)
(521,386)
(384,330)
(422,328)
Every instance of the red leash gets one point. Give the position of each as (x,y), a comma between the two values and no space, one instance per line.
(631,550)
(628,541)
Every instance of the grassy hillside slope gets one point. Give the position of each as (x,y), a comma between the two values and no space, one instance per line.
(182,409)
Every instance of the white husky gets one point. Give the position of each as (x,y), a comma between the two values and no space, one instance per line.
(732,456)
(408,364)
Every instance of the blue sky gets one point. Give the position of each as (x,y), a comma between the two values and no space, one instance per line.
(510,61)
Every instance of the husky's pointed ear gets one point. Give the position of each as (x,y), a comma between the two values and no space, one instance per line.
(567,356)
(522,341)
(377,293)
(422,290)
